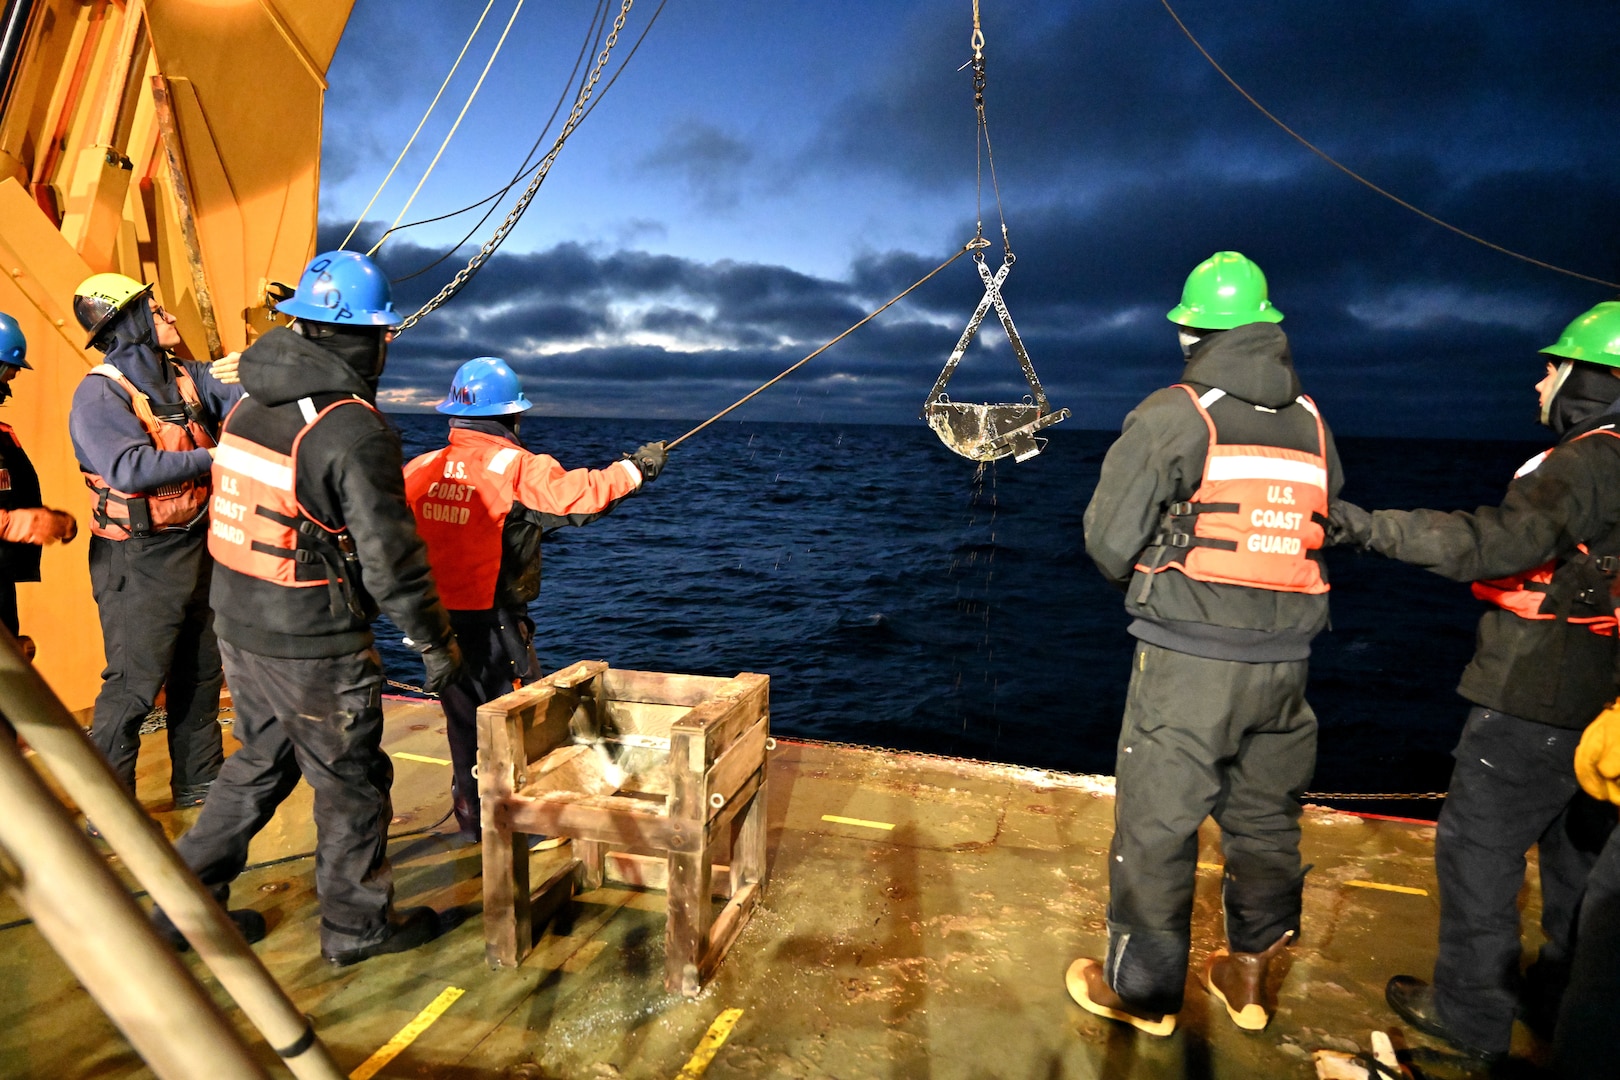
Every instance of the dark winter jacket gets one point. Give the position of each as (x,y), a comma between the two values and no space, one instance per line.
(19,489)
(1545,670)
(108,438)
(349,474)
(1159,460)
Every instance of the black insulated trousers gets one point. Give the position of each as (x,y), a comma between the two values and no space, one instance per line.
(1204,738)
(497,649)
(157,627)
(1513,787)
(320,719)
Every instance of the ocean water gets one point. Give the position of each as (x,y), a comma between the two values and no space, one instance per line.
(899,596)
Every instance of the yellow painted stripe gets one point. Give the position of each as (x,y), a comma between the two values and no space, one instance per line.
(1388,888)
(710,1045)
(407,1034)
(403,756)
(1211,866)
(862,822)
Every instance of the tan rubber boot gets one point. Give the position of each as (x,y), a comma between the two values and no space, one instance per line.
(1239,980)
(1089,987)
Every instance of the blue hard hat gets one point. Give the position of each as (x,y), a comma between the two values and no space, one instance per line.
(343,287)
(13,346)
(485,387)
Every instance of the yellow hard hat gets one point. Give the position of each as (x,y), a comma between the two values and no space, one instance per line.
(100,297)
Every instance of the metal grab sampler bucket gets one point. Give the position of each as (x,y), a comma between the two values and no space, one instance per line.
(986,432)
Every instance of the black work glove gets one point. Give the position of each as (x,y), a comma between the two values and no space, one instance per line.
(1348,524)
(650,459)
(443,665)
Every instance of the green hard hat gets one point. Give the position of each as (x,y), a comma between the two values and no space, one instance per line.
(1594,337)
(1223,291)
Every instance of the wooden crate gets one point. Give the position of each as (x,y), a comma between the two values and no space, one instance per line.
(700,744)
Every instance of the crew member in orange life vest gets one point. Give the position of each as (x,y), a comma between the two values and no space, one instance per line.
(1208,513)
(143,425)
(1545,560)
(25,525)
(312,538)
(482,504)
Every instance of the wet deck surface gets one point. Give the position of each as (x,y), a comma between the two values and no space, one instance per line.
(935,949)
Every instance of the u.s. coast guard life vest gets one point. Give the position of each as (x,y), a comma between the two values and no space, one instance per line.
(257,526)
(461,496)
(118,515)
(1256,519)
(1527,595)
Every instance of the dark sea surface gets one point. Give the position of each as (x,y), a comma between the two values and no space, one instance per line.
(899,597)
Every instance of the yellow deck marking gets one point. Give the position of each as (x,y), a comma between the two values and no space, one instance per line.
(407,1034)
(403,756)
(710,1045)
(1388,888)
(862,822)
(1211,866)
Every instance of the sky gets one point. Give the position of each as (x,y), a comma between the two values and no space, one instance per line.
(761,176)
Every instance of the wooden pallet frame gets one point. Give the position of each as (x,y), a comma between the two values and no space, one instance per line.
(663,831)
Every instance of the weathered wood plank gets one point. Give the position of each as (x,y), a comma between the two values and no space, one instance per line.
(652,872)
(561,817)
(691,912)
(727,925)
(659,687)
(744,757)
(726,715)
(750,858)
(591,868)
(642,717)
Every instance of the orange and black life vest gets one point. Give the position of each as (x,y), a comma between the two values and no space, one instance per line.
(118,515)
(1256,519)
(1526,594)
(259,528)
(461,496)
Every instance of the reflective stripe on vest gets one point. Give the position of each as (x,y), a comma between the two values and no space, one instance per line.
(1256,518)
(257,526)
(118,515)
(1523,594)
(461,496)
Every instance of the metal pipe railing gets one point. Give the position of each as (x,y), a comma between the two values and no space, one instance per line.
(99,932)
(41,718)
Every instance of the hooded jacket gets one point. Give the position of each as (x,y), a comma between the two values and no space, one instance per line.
(348,475)
(1159,460)
(1546,670)
(108,438)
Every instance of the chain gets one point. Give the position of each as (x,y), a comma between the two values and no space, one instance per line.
(477,261)
(1091,777)
(413,689)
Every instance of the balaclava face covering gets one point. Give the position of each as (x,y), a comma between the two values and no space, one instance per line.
(130,345)
(5,388)
(1587,391)
(1191,337)
(364,349)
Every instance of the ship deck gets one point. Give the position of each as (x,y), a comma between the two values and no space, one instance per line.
(932,948)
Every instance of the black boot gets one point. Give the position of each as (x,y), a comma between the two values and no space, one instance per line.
(1413,1001)
(406,930)
(249,922)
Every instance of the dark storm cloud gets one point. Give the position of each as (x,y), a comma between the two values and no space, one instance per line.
(710,162)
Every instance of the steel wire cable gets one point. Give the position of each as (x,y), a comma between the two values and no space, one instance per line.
(592,32)
(451,134)
(1358,178)
(490,246)
(419,125)
(526,169)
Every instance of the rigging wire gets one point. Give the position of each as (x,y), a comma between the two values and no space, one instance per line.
(592,32)
(1358,178)
(527,169)
(965,248)
(982,150)
(575,116)
(419,125)
(479,85)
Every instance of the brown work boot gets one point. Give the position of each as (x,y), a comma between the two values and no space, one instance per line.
(1090,990)
(1239,980)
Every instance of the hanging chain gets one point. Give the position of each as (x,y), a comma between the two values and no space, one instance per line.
(982,151)
(477,261)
